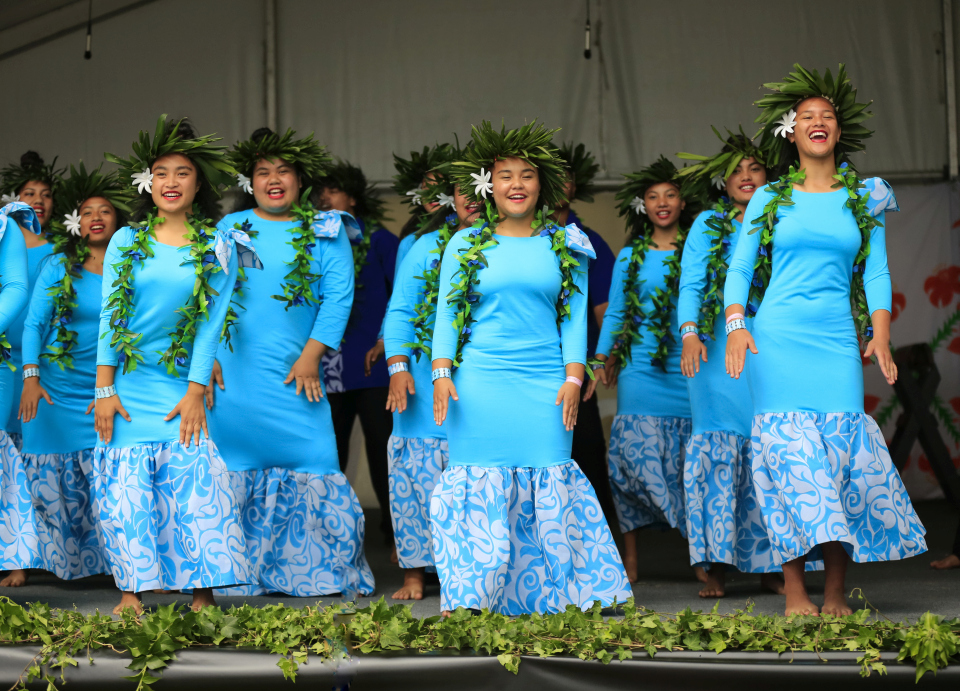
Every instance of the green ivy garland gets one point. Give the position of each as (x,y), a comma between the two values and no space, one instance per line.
(64,296)
(427,306)
(721,227)
(783,196)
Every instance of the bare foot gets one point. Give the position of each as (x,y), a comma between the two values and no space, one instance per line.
(412,585)
(949,562)
(800,605)
(700,573)
(630,555)
(14,579)
(772,582)
(835,562)
(202,597)
(129,601)
(836,605)
(446,614)
(714,585)
(798,601)
(161,591)
(394,559)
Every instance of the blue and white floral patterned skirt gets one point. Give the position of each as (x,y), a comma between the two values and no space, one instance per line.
(169,517)
(824,477)
(47,515)
(646,470)
(521,540)
(304,534)
(414,469)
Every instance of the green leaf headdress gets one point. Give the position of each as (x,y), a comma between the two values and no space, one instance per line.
(720,166)
(175,138)
(32,167)
(350,179)
(412,172)
(631,193)
(531,143)
(582,167)
(778,114)
(74,190)
(309,158)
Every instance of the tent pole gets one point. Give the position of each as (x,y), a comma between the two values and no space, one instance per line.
(950,74)
(270,63)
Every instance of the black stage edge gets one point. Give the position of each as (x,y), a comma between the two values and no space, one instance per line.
(243,670)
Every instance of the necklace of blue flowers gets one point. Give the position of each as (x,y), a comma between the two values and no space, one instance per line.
(766,224)
(426,308)
(720,225)
(200,236)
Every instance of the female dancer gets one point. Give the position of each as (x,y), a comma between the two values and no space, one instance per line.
(724,526)
(822,472)
(34,183)
(516,525)
(167,513)
(301,519)
(652,425)
(56,528)
(418,447)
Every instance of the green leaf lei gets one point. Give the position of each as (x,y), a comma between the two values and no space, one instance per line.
(425,309)
(360,251)
(783,192)
(721,228)
(200,236)
(64,303)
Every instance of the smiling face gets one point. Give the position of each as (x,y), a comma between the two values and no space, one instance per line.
(430,206)
(175,184)
(276,185)
(38,195)
(467,211)
(818,130)
(747,178)
(516,187)
(335,199)
(98,221)
(663,204)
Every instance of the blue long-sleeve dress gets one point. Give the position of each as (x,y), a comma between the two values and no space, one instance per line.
(302,521)
(516,525)
(167,511)
(652,424)
(59,531)
(820,464)
(418,450)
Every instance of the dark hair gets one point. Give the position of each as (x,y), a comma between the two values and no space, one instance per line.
(410,227)
(31,161)
(245,201)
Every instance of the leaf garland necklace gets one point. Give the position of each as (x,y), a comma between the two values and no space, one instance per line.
(426,308)
(472,260)
(766,224)
(200,237)
(720,224)
(64,296)
(360,251)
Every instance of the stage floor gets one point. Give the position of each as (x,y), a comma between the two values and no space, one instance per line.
(900,590)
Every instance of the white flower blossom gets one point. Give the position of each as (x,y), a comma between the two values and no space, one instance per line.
(638,206)
(482,185)
(72,223)
(243,182)
(414,195)
(445,200)
(9,199)
(786,124)
(143,181)
(719,183)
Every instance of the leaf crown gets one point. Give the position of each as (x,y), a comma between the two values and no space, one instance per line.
(692,191)
(412,172)
(76,188)
(31,167)
(736,147)
(350,179)
(582,166)
(309,158)
(802,84)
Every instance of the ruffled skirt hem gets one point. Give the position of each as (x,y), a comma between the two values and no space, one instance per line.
(414,469)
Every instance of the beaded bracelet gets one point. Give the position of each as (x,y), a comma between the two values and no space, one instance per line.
(30,372)
(735,325)
(105,392)
(735,315)
(688,330)
(597,365)
(397,367)
(441,373)
(574,380)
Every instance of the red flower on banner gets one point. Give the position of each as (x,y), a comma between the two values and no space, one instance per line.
(941,286)
(899,302)
(924,464)
(870,403)
(954,346)
(955,404)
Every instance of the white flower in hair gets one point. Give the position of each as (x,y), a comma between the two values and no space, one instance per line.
(719,183)
(638,206)
(143,181)
(785,124)
(72,223)
(445,200)
(9,199)
(414,195)
(482,185)
(243,182)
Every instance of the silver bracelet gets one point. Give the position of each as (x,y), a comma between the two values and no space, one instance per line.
(397,367)
(688,330)
(735,325)
(441,373)
(105,392)
(31,372)
(597,365)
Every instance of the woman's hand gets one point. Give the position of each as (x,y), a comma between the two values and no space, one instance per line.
(401,384)
(370,359)
(693,351)
(30,398)
(880,350)
(105,409)
(610,372)
(737,344)
(569,394)
(306,372)
(193,418)
(216,377)
(443,390)
(590,388)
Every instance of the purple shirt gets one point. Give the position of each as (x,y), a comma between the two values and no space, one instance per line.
(599,279)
